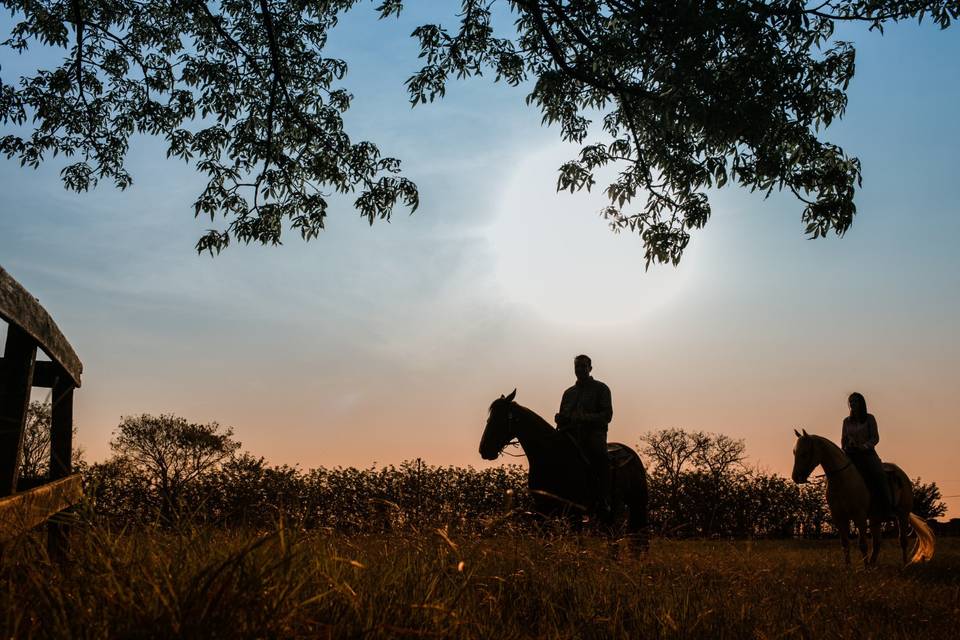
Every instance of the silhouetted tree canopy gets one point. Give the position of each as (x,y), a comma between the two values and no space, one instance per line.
(690,95)
(927,499)
(169,453)
(35,453)
(35,450)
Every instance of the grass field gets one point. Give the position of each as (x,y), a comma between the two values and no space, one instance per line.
(215,584)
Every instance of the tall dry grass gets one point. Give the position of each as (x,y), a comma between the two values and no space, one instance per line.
(215,583)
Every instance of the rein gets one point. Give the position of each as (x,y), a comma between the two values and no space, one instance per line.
(829,473)
(513,442)
(832,472)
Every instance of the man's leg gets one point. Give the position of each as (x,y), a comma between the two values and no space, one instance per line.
(596,449)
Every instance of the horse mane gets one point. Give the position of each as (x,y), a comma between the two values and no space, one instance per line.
(824,439)
(830,443)
(533,415)
(530,414)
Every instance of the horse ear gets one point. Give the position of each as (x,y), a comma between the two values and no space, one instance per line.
(513,394)
(797,432)
(804,432)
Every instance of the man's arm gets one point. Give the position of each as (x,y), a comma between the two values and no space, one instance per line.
(564,416)
(606,406)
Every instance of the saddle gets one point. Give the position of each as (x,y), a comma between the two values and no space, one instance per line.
(620,454)
(893,481)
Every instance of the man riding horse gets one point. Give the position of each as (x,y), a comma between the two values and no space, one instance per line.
(585,411)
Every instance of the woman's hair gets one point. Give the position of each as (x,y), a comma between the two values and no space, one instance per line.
(858,406)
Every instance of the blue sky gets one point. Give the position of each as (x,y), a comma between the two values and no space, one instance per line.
(388,342)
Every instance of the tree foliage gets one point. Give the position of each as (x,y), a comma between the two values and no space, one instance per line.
(694,471)
(689,96)
(241,89)
(673,451)
(927,500)
(169,454)
(712,492)
(35,453)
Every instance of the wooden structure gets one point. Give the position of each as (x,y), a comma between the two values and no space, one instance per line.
(29,327)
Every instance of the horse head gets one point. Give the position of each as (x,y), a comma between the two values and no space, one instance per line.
(500,429)
(805,457)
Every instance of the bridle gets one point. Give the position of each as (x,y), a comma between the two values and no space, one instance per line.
(513,441)
(833,472)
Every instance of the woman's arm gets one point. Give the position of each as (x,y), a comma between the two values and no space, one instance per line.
(844,441)
(873,434)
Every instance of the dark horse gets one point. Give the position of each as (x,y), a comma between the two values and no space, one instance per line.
(559,478)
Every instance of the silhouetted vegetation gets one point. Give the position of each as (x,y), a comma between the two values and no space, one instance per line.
(927,500)
(252,550)
(35,457)
(689,96)
(168,471)
(202,582)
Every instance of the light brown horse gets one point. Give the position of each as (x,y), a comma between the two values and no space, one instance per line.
(849,498)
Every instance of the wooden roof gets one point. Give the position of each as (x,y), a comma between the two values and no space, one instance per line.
(18,307)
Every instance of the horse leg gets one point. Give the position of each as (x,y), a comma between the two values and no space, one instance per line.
(637,530)
(902,522)
(844,529)
(862,538)
(876,528)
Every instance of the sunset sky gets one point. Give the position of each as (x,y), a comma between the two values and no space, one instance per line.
(386,343)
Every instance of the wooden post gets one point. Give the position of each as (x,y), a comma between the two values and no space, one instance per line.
(30,327)
(61,433)
(16,379)
(61,455)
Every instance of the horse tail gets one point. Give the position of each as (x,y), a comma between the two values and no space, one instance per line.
(925,540)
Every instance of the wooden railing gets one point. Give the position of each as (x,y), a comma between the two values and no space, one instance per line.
(29,327)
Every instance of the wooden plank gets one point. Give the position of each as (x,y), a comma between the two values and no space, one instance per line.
(45,373)
(61,456)
(61,429)
(20,308)
(16,376)
(24,511)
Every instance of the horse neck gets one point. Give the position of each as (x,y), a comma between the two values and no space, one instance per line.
(535,434)
(832,457)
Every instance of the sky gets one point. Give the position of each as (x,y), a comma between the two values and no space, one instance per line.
(374,345)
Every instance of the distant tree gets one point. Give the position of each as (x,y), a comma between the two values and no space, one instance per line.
(718,460)
(927,500)
(675,453)
(171,453)
(719,455)
(119,490)
(813,511)
(690,95)
(672,450)
(35,455)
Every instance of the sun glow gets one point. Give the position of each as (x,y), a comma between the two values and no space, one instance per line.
(557,257)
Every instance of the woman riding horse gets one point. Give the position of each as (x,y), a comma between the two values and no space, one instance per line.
(858,440)
(849,499)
